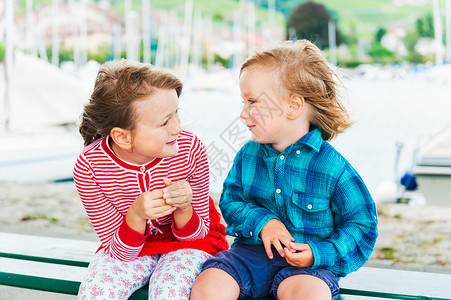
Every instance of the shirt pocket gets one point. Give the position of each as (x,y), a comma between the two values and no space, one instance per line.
(310,211)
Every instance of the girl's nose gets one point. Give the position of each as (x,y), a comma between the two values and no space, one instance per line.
(177,128)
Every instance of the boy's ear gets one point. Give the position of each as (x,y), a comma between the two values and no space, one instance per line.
(122,138)
(295,106)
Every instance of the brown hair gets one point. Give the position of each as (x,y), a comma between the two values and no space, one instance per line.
(118,85)
(304,71)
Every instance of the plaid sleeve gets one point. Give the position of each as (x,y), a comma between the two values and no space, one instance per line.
(243,218)
(353,241)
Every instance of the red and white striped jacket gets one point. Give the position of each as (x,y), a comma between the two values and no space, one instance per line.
(108,185)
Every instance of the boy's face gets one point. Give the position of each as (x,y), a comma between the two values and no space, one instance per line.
(264,109)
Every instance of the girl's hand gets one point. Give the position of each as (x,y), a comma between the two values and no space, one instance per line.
(148,205)
(275,233)
(151,205)
(178,193)
(300,256)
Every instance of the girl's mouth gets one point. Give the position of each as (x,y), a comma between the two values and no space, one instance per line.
(172,143)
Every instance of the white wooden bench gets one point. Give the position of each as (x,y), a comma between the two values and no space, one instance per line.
(58,265)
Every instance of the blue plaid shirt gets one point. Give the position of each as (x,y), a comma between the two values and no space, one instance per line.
(313,190)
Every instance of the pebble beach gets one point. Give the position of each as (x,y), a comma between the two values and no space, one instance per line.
(410,237)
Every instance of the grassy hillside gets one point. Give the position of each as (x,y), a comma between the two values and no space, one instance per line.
(364,17)
(360,17)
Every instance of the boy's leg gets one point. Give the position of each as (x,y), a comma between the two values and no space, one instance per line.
(110,278)
(216,284)
(175,274)
(242,271)
(298,283)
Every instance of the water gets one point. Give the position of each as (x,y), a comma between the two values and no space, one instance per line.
(387,112)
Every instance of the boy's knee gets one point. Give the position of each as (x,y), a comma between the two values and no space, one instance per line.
(215,284)
(203,287)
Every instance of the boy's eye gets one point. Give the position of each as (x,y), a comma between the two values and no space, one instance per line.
(251,101)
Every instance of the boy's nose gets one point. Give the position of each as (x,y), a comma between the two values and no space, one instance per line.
(244,113)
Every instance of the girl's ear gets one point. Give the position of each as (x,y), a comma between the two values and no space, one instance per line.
(122,138)
(295,106)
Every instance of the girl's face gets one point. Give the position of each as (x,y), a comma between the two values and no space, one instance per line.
(264,111)
(157,127)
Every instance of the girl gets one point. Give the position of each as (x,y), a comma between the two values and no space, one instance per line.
(301,214)
(144,183)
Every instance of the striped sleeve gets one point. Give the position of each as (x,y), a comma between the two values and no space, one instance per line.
(198,227)
(118,240)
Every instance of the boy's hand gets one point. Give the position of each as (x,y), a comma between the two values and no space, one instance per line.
(275,233)
(300,256)
(178,193)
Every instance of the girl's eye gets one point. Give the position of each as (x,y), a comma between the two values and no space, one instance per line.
(165,123)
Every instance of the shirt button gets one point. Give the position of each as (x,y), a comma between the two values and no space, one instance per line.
(143,169)
(309,206)
(278,191)
(298,152)
(282,157)
(236,234)
(250,233)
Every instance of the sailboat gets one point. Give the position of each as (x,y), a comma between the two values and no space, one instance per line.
(40,141)
(41,104)
(433,168)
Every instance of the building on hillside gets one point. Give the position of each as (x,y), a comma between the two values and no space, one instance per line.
(393,40)
(428,47)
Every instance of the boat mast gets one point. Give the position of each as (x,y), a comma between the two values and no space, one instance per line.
(55,33)
(332,42)
(438,33)
(146,37)
(8,62)
(448,31)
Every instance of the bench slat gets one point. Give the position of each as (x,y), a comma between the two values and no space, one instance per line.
(45,259)
(39,283)
(401,282)
(40,269)
(38,246)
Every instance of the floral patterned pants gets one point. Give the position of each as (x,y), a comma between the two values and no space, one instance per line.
(170,275)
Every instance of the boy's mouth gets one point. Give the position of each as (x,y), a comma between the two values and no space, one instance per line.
(250,127)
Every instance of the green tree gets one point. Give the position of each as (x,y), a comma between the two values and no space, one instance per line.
(425,26)
(2,51)
(410,40)
(381,55)
(311,21)
(380,34)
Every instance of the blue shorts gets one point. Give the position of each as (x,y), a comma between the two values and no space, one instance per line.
(259,276)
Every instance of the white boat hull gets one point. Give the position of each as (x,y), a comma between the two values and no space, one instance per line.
(46,155)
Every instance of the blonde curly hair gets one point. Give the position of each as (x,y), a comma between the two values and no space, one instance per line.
(304,71)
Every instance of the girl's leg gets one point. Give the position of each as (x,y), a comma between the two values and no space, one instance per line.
(175,274)
(110,278)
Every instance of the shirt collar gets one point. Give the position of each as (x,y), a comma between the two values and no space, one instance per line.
(312,139)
